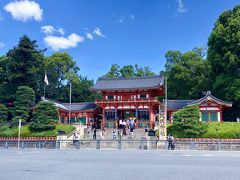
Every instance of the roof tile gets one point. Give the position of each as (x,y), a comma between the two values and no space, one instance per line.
(123,83)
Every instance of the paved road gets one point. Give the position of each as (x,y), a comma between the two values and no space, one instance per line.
(118,165)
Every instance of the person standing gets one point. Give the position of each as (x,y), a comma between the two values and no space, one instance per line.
(124,125)
(120,124)
(74,138)
(94,133)
(170,142)
(114,134)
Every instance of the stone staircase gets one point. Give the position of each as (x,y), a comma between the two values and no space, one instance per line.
(108,134)
(87,134)
(135,141)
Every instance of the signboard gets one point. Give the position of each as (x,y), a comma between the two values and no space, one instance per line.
(162,128)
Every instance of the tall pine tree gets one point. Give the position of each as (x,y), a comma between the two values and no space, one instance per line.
(22,67)
(25,99)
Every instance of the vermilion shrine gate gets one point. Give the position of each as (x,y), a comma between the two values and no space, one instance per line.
(135,97)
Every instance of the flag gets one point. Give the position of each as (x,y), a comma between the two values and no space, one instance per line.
(46,78)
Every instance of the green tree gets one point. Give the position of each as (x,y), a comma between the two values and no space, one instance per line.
(224,59)
(25,100)
(3,113)
(44,117)
(61,70)
(22,67)
(129,71)
(4,86)
(172,58)
(114,71)
(187,74)
(186,123)
(58,66)
(143,71)
(81,90)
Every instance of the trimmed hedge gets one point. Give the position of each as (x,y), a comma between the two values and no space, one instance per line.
(224,130)
(6,131)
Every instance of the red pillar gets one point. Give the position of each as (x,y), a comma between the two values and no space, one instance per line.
(65,119)
(150,118)
(87,120)
(221,118)
(103,120)
(59,118)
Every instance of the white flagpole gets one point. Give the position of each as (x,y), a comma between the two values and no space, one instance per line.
(19,131)
(44,84)
(70,103)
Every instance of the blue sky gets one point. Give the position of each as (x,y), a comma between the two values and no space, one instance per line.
(98,33)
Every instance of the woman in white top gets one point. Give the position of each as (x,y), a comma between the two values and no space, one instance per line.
(120,124)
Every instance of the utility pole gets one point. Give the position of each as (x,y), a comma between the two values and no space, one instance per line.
(206,95)
(165,113)
(19,131)
(70,102)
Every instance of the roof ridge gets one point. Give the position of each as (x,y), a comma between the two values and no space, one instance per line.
(182,99)
(54,101)
(129,78)
(211,96)
(79,103)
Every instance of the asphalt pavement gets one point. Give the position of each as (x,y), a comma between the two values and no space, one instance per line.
(35,164)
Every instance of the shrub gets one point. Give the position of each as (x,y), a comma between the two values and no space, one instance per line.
(4,127)
(45,116)
(223,130)
(186,123)
(25,98)
(6,131)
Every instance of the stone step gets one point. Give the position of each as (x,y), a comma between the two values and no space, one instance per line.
(108,134)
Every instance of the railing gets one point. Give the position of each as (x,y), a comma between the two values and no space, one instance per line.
(212,146)
(121,144)
(127,100)
(28,144)
(82,144)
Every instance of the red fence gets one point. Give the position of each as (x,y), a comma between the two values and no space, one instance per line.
(206,140)
(29,138)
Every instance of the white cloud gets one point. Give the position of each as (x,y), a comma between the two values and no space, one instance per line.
(2,45)
(89,36)
(181,8)
(24,10)
(49,30)
(132,16)
(57,43)
(98,32)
